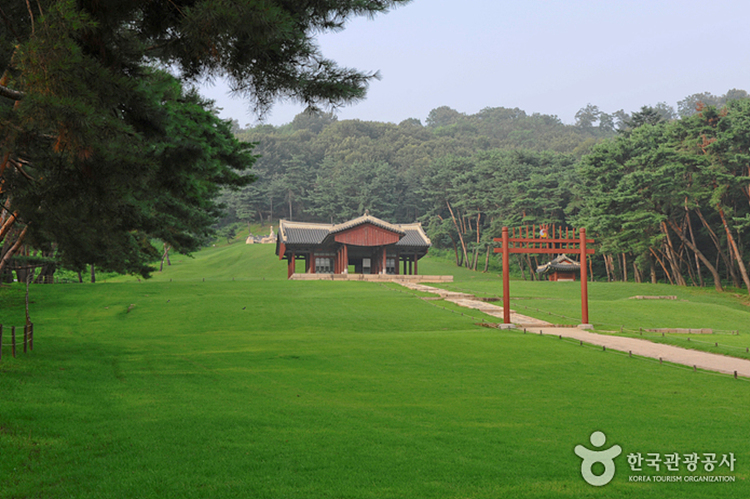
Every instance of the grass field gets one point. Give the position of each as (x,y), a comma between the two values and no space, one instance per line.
(613,310)
(249,385)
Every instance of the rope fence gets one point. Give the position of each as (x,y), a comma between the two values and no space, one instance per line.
(16,340)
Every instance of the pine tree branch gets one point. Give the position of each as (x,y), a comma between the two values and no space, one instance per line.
(10,93)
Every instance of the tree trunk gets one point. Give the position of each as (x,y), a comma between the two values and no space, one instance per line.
(672,256)
(606,268)
(28,281)
(487,259)
(7,225)
(531,269)
(520,266)
(637,274)
(692,240)
(460,235)
(93,274)
(651,268)
(733,245)
(164,256)
(476,251)
(717,243)
(455,250)
(664,268)
(711,268)
(4,213)
(13,249)
(624,268)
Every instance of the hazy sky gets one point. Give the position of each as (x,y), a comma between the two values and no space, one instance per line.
(550,57)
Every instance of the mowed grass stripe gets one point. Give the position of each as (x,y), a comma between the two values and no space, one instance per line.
(331,390)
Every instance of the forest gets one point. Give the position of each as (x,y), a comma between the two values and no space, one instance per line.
(109,156)
(665,193)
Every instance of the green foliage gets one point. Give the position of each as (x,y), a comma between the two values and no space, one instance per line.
(317,168)
(102,152)
(655,183)
(333,396)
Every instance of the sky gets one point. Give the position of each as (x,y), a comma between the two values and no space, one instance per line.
(549,57)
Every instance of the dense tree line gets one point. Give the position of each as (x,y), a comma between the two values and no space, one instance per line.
(664,192)
(319,168)
(672,200)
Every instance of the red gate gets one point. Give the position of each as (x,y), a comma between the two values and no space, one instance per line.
(548,242)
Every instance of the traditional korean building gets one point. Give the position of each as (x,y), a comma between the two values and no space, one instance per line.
(561,268)
(366,245)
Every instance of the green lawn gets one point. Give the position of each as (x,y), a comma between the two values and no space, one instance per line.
(266,388)
(612,308)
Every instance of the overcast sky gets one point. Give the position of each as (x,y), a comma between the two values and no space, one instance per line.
(550,57)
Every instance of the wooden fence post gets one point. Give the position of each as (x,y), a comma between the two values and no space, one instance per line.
(13,340)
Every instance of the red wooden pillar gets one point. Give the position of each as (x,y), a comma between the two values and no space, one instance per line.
(290,267)
(506,277)
(384,262)
(584,280)
(345,270)
(312,263)
(416,270)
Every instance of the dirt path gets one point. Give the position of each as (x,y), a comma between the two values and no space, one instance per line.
(643,348)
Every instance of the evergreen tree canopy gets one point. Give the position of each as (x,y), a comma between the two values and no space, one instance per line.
(101,151)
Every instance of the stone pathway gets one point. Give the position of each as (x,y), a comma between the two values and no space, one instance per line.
(470,301)
(643,348)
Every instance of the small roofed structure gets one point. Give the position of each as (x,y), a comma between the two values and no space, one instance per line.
(561,268)
(366,245)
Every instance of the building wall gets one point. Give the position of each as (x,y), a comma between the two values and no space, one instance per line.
(367,235)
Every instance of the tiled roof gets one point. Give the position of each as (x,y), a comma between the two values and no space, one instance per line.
(561,264)
(415,236)
(298,235)
(314,233)
(366,219)
(302,232)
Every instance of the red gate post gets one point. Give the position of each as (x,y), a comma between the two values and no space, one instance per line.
(506,277)
(584,280)
(290,266)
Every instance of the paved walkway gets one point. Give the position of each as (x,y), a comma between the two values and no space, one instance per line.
(643,348)
(471,301)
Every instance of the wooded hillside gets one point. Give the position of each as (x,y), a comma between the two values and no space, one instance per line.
(665,194)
